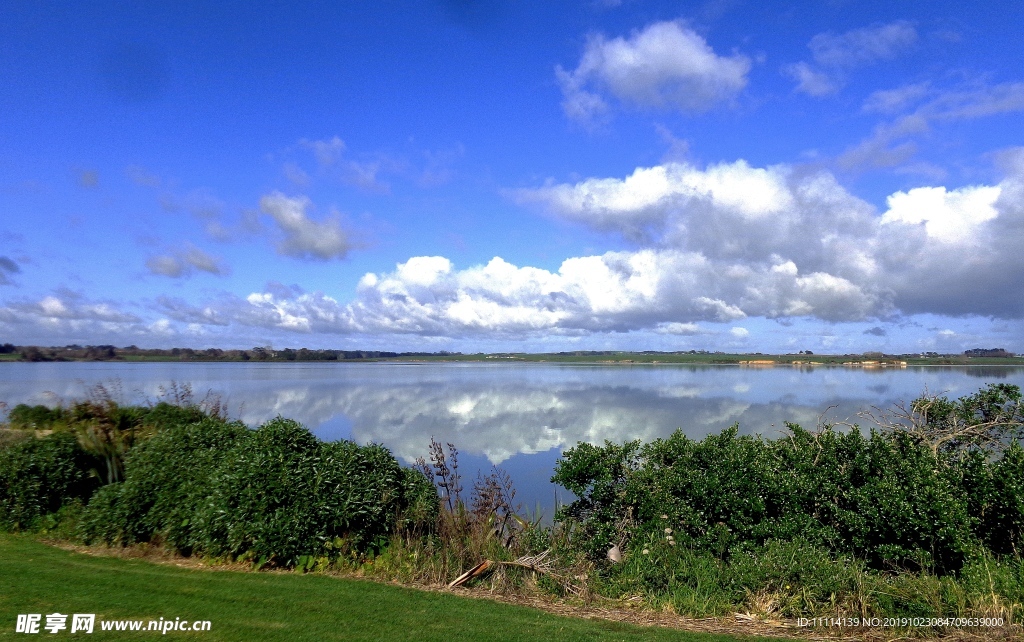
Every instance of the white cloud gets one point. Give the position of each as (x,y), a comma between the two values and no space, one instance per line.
(665,290)
(674,327)
(185,263)
(783,242)
(739,333)
(644,199)
(810,80)
(891,143)
(666,65)
(862,46)
(953,217)
(180,310)
(717,245)
(835,54)
(67,316)
(302,237)
(326,152)
(889,101)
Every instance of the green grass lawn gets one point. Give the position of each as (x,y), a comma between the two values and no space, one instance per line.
(35,578)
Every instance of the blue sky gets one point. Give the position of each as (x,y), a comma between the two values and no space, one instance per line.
(469,175)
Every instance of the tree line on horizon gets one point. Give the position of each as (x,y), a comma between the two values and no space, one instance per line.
(75,352)
(258,353)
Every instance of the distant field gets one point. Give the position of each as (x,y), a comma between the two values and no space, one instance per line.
(35,578)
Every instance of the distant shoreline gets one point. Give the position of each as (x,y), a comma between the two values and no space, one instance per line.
(753,361)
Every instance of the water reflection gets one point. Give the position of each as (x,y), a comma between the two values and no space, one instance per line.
(519,416)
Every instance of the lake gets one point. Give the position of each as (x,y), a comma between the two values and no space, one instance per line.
(514,415)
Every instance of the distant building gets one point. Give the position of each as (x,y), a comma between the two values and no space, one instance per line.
(983,352)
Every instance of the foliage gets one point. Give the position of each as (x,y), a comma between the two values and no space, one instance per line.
(169,476)
(462,535)
(282,493)
(274,495)
(995,497)
(985,421)
(602,477)
(38,476)
(891,498)
(23,416)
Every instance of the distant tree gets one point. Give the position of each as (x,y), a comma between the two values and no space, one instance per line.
(32,353)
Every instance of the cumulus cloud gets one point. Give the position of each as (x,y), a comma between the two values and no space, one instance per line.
(180,310)
(665,290)
(666,65)
(300,236)
(835,54)
(714,245)
(951,217)
(674,327)
(183,264)
(66,316)
(781,241)
(66,312)
(956,252)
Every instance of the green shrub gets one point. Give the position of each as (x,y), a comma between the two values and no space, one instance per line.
(166,415)
(602,478)
(24,416)
(276,494)
(38,476)
(282,494)
(883,498)
(999,502)
(167,479)
(420,500)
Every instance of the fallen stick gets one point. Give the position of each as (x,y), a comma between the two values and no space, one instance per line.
(476,571)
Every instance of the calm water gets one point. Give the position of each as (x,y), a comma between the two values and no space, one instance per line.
(517,416)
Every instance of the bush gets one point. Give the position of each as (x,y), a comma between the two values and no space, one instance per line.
(276,494)
(995,494)
(884,498)
(38,476)
(168,477)
(24,416)
(283,494)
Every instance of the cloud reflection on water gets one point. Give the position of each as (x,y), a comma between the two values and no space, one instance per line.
(500,411)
